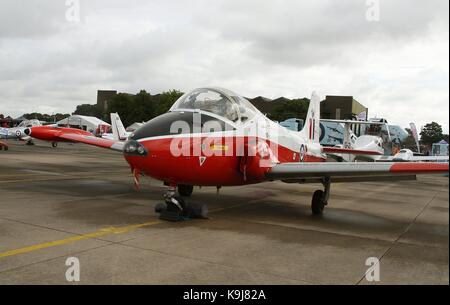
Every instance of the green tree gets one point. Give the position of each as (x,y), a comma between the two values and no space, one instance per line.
(431,133)
(123,104)
(89,110)
(142,106)
(45,117)
(165,100)
(409,142)
(296,108)
(445,137)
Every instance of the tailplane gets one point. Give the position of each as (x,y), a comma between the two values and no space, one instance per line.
(119,132)
(311,129)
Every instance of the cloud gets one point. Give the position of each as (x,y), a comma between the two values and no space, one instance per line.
(398,67)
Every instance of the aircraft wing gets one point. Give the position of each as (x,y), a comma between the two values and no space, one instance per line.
(430,158)
(93,140)
(356,169)
(352,122)
(415,159)
(338,150)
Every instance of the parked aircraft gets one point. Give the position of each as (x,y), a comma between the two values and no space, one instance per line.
(54,134)
(408,155)
(214,137)
(375,144)
(371,143)
(19,131)
(118,130)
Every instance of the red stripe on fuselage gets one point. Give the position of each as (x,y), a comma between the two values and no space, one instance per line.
(310,129)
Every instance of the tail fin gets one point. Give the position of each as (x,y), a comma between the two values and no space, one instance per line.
(119,132)
(311,129)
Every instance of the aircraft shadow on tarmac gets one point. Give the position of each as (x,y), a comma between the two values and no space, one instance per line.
(103,202)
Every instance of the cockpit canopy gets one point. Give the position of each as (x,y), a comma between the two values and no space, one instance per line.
(218,101)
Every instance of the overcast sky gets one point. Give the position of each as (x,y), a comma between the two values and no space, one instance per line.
(396,62)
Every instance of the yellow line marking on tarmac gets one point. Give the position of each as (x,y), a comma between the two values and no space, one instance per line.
(99,233)
(103,232)
(55,178)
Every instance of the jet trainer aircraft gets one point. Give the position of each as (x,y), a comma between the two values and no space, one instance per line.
(363,142)
(19,131)
(408,155)
(374,143)
(54,134)
(214,137)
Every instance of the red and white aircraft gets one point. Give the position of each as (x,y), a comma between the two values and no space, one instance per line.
(214,137)
(54,134)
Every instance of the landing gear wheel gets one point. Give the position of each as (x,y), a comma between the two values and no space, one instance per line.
(185,190)
(317,203)
(54,144)
(197,211)
(176,209)
(160,207)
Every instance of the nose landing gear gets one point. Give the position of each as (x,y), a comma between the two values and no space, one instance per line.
(176,209)
(185,190)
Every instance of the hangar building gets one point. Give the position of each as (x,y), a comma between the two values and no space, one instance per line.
(342,108)
(103,96)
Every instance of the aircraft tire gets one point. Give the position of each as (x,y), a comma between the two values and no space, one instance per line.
(160,207)
(54,144)
(317,203)
(197,210)
(185,190)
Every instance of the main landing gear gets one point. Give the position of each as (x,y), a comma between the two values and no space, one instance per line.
(320,198)
(176,209)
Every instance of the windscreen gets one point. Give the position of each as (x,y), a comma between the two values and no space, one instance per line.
(209,100)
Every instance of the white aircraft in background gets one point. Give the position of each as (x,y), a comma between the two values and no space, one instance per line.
(19,131)
(407,155)
(118,130)
(363,142)
(375,144)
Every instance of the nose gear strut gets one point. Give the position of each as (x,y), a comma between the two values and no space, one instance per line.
(176,209)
